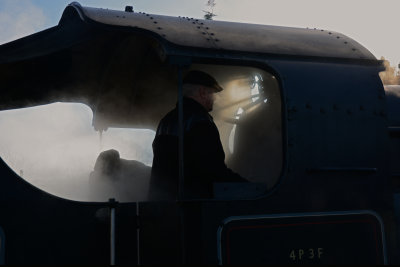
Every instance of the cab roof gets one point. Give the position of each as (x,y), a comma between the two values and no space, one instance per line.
(186,32)
(190,32)
(117,62)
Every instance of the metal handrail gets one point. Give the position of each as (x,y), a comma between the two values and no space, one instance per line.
(112,204)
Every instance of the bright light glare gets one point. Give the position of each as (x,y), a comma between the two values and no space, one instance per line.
(232,139)
(255,88)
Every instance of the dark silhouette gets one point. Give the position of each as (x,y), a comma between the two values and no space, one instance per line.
(204,157)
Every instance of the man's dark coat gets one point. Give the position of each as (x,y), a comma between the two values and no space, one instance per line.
(204,157)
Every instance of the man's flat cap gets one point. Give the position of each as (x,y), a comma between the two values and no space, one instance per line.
(201,78)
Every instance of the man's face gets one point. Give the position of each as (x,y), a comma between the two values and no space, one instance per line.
(209,98)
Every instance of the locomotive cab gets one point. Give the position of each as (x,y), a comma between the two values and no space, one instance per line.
(302,117)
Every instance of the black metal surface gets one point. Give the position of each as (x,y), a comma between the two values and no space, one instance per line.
(2,246)
(44,229)
(303,239)
(343,170)
(334,118)
(236,36)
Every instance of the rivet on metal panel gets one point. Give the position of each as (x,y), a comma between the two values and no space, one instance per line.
(322,30)
(207,28)
(197,20)
(353,49)
(151,18)
(203,33)
(208,39)
(308,106)
(345,42)
(198,27)
(155,22)
(194,22)
(338,37)
(201,23)
(212,34)
(217,40)
(329,33)
(159,28)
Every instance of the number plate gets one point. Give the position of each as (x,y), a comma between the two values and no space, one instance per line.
(310,238)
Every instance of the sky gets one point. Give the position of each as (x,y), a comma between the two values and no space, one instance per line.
(373,23)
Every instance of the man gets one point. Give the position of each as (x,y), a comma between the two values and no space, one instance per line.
(204,157)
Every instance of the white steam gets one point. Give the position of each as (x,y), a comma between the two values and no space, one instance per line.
(55,147)
(393,89)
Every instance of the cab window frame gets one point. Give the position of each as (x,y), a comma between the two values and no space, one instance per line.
(250,62)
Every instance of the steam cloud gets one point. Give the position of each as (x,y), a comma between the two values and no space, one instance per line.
(55,148)
(393,90)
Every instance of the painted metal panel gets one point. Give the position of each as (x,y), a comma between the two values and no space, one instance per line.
(234,36)
(306,238)
(2,246)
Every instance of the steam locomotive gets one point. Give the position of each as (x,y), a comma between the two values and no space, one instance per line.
(303,116)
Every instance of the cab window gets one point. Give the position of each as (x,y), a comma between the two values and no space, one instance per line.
(248,115)
(58,148)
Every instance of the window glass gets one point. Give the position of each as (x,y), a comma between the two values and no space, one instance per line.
(55,148)
(248,115)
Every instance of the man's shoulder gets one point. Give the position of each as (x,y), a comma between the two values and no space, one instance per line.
(168,124)
(193,116)
(198,118)
(171,115)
